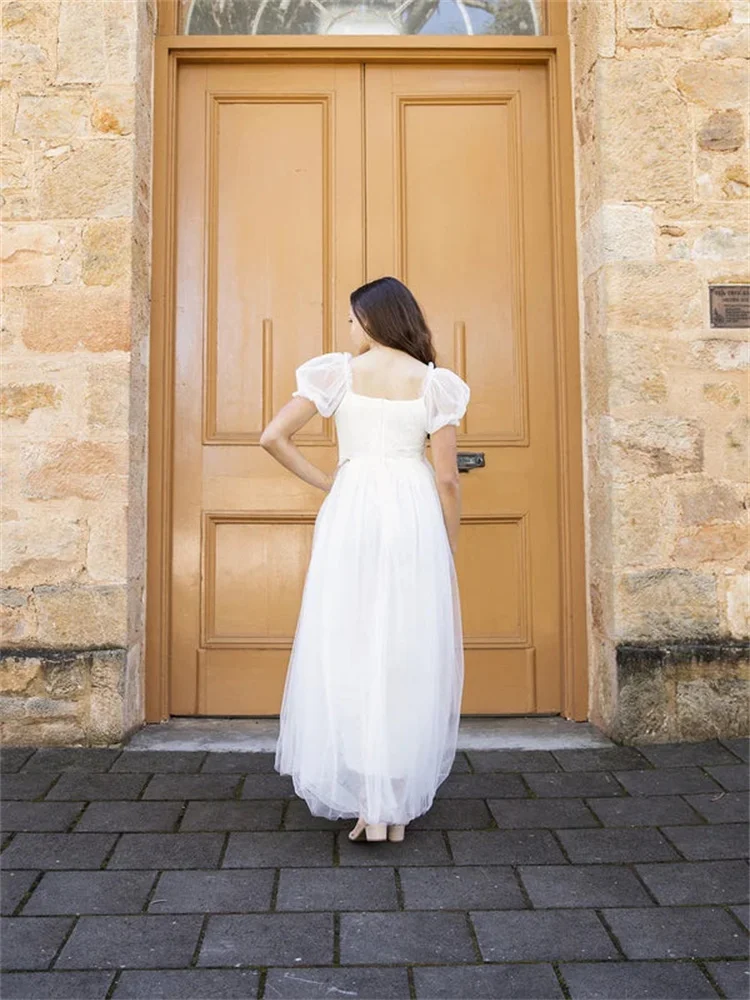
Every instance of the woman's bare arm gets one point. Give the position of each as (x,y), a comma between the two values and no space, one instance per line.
(444,460)
(276,439)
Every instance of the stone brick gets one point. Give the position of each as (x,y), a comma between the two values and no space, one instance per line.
(81,616)
(666,603)
(691,16)
(18,401)
(712,84)
(90,470)
(722,131)
(106,246)
(75,319)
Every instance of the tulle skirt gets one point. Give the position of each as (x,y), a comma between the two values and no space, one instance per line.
(371,703)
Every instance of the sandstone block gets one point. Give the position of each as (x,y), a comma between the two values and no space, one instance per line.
(17,402)
(106,252)
(73,617)
(93,179)
(74,319)
(652,446)
(722,131)
(666,604)
(57,117)
(725,394)
(712,84)
(88,469)
(660,296)
(690,15)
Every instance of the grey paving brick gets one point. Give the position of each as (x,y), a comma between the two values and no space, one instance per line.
(213,892)
(494,785)
(164,761)
(133,817)
(636,981)
(38,816)
(739,746)
(192,786)
(317,984)
(167,850)
(668,781)
(337,889)
(454,814)
(726,807)
(487,982)
(13,887)
(31,942)
(56,985)
(188,984)
(599,758)
(686,754)
(512,760)
(57,850)
(733,978)
(394,938)
(591,886)
(420,847)
(299,817)
(77,786)
(550,813)
(677,932)
(708,843)
(469,887)
(264,849)
(27,785)
(732,777)
(541,935)
(505,847)
(239,763)
(460,764)
(71,758)
(643,810)
(61,893)
(267,786)
(250,814)
(617,844)
(572,783)
(13,758)
(742,912)
(685,882)
(268,939)
(144,941)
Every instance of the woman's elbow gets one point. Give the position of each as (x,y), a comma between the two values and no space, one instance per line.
(269,438)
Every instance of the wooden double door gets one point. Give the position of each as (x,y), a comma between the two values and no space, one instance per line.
(295,183)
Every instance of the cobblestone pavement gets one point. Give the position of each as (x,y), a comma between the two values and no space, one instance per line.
(611,873)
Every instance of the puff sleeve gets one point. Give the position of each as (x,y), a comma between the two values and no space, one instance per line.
(323,380)
(446,399)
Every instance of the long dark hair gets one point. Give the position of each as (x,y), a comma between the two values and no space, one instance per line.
(389,313)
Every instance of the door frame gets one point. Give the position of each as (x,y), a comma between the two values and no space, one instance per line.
(553,50)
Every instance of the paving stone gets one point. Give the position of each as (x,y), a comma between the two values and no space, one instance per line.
(13,758)
(541,935)
(505,847)
(31,942)
(90,892)
(27,785)
(318,983)
(592,886)
(56,985)
(167,850)
(192,786)
(726,807)
(572,783)
(693,882)
(512,760)
(38,816)
(481,786)
(487,982)
(642,810)
(57,850)
(393,938)
(143,941)
(732,777)
(709,843)
(264,849)
(469,887)
(739,746)
(71,758)
(742,912)
(454,814)
(420,847)
(460,764)
(98,786)
(181,984)
(677,932)
(165,761)
(299,817)
(257,814)
(668,781)
(337,889)
(550,813)
(213,892)
(620,844)
(13,887)
(267,786)
(232,762)
(599,758)
(684,754)
(130,816)
(636,981)
(733,978)
(268,939)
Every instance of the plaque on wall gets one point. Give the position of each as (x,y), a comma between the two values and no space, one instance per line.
(729,305)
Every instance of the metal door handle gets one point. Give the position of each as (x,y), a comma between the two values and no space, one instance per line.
(468,460)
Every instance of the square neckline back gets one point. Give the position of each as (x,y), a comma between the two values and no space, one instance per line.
(385,399)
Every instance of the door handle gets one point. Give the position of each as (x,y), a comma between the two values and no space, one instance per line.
(468,460)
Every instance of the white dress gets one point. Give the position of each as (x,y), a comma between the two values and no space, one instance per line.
(371,703)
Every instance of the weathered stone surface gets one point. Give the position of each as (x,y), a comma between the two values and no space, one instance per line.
(668,604)
(722,543)
(702,501)
(87,469)
(722,131)
(690,15)
(714,85)
(660,296)
(737,597)
(66,319)
(16,675)
(81,616)
(106,252)
(722,354)
(725,394)
(92,179)
(18,401)
(652,446)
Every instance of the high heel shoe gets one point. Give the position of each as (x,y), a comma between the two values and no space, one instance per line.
(396,831)
(372,831)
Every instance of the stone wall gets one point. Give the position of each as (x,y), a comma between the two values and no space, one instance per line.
(76,189)
(660,92)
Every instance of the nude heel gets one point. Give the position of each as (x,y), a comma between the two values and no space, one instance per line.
(372,831)
(396,831)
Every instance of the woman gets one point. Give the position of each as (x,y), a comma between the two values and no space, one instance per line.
(371,704)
